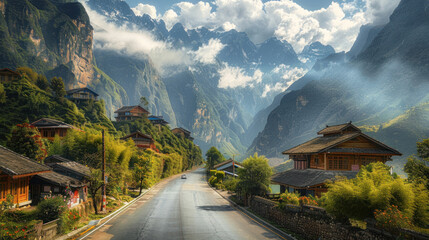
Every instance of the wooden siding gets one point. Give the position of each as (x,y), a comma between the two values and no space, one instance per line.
(50,133)
(18,187)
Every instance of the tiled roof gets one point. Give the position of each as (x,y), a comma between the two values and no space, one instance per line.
(10,71)
(56,160)
(140,134)
(15,164)
(327,143)
(318,144)
(308,177)
(71,91)
(59,179)
(129,108)
(338,128)
(49,122)
(226,162)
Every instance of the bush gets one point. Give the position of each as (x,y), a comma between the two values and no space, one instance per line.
(289,198)
(304,200)
(213,172)
(231,184)
(51,208)
(69,220)
(373,188)
(220,175)
(391,219)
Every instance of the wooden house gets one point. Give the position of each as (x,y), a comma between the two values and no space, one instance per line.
(49,128)
(7,75)
(67,174)
(81,94)
(128,113)
(183,133)
(141,140)
(229,167)
(157,121)
(15,173)
(341,150)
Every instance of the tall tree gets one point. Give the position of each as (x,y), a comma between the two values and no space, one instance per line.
(26,140)
(28,73)
(254,177)
(141,171)
(213,157)
(144,101)
(58,88)
(95,184)
(417,168)
(42,82)
(2,94)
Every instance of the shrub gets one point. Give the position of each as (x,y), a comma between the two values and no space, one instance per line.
(220,175)
(304,200)
(231,184)
(289,198)
(391,219)
(373,188)
(15,230)
(69,220)
(51,208)
(213,172)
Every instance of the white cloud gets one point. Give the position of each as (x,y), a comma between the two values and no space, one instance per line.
(141,9)
(290,75)
(379,11)
(233,77)
(135,42)
(337,25)
(207,52)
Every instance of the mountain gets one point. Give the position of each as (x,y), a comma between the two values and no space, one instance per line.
(367,33)
(383,86)
(274,52)
(139,78)
(315,51)
(54,38)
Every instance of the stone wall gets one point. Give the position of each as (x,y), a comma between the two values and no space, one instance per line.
(314,223)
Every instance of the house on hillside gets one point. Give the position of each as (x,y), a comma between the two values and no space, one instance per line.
(66,174)
(81,94)
(128,113)
(49,128)
(341,150)
(229,167)
(141,140)
(183,133)
(157,121)
(15,174)
(7,75)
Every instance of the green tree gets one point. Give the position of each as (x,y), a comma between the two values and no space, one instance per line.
(213,157)
(28,73)
(417,168)
(144,101)
(42,82)
(58,88)
(141,171)
(95,184)
(26,140)
(254,177)
(2,94)
(374,189)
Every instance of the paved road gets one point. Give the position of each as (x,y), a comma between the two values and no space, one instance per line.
(182,209)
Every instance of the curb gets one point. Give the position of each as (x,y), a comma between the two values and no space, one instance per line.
(257,219)
(82,232)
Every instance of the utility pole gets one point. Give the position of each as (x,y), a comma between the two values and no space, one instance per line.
(103,175)
(233,164)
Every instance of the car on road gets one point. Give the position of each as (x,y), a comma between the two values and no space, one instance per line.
(183,176)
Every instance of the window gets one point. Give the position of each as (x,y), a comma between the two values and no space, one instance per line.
(127,113)
(338,163)
(56,189)
(52,133)
(45,133)
(46,188)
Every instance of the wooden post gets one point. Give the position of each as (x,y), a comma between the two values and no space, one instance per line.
(103,175)
(324,160)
